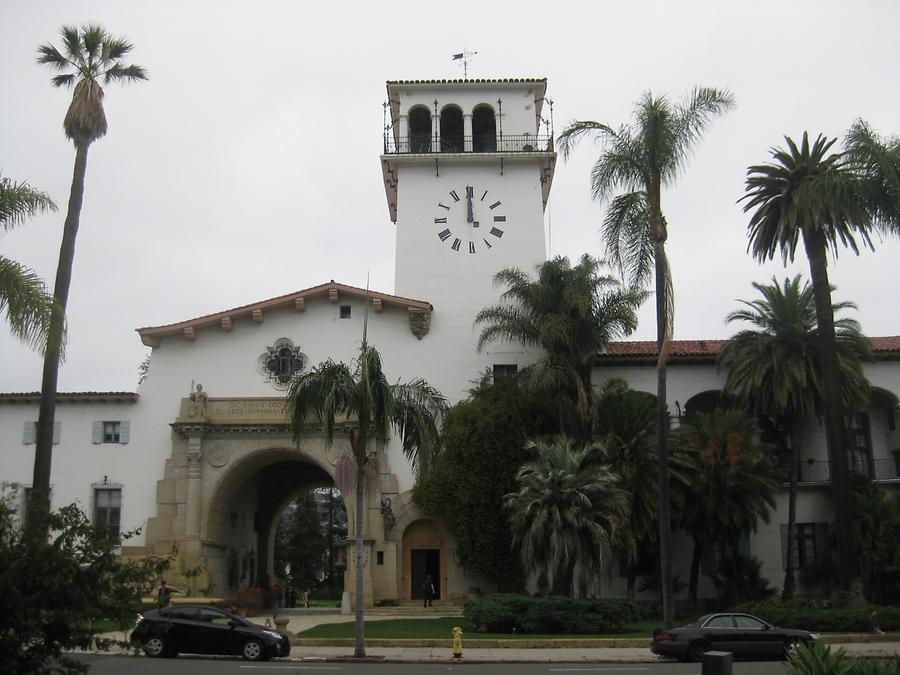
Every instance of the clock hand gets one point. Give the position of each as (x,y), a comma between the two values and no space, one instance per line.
(469,217)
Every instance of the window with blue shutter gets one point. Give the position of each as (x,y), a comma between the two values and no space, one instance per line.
(111,431)
(29,434)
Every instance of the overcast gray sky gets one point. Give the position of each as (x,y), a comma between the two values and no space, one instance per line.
(247,166)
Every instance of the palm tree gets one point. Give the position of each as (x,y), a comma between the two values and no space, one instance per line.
(640,159)
(774,369)
(22,293)
(89,54)
(367,407)
(626,433)
(565,515)
(828,199)
(733,484)
(571,313)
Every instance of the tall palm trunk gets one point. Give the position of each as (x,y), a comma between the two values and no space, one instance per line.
(814,242)
(658,230)
(790,580)
(43,453)
(358,442)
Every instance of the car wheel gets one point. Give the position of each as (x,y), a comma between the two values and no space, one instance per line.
(155,646)
(253,650)
(697,650)
(792,646)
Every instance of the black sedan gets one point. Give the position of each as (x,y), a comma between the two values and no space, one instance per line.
(198,629)
(741,634)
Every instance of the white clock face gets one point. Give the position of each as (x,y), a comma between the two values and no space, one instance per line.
(469,219)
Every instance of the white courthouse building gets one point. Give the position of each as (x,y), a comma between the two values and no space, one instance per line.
(467,167)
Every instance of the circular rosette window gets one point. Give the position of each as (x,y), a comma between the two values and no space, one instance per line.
(281,362)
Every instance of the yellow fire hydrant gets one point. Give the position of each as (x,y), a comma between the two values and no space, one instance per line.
(457,642)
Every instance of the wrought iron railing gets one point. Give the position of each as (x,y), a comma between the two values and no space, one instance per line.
(813,471)
(423,144)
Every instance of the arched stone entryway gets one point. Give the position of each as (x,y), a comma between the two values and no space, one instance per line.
(424,552)
(242,514)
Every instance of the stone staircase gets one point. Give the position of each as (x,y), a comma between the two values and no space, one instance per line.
(415,609)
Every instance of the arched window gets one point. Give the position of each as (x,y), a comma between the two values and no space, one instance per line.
(419,130)
(484,130)
(451,129)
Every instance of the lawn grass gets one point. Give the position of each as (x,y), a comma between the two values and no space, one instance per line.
(436,629)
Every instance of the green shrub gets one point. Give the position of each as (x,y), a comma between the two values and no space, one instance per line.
(506,613)
(802,614)
(818,659)
(870,667)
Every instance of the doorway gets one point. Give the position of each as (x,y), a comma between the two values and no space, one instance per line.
(424,562)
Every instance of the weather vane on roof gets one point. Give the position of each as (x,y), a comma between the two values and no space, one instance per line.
(465,56)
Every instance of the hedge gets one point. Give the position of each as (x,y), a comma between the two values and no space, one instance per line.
(804,615)
(508,613)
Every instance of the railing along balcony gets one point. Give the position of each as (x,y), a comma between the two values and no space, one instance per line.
(418,144)
(820,471)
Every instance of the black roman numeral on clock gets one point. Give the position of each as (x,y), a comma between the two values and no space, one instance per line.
(440,220)
(454,195)
(471,247)
(444,206)
(499,219)
(497,232)
(469,191)
(444,234)
(495,205)
(455,244)
(487,243)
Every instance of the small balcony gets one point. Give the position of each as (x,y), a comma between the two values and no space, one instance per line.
(816,471)
(418,144)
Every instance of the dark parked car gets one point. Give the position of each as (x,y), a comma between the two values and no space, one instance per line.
(198,629)
(740,634)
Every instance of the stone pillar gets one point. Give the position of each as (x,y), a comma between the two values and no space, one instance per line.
(194,461)
(467,132)
(404,144)
(436,132)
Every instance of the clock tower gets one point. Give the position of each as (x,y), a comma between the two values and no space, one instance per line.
(467,174)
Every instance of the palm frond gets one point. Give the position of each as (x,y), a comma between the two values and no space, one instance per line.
(118,72)
(575,131)
(48,55)
(626,234)
(19,201)
(694,116)
(27,304)
(115,48)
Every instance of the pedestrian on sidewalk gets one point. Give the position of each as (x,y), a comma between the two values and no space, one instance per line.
(276,595)
(164,596)
(428,588)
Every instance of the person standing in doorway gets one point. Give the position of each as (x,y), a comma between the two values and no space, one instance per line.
(428,588)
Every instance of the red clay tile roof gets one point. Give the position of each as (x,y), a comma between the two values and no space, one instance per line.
(151,334)
(707,350)
(501,80)
(71,397)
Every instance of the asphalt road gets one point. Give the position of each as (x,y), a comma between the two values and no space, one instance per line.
(140,665)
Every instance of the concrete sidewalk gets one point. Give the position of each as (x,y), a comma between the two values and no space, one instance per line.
(637,651)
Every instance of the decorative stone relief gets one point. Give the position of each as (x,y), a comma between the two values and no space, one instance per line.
(419,322)
(217,455)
